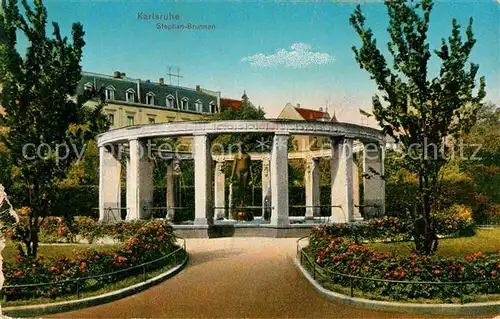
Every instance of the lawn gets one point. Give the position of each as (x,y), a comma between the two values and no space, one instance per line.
(485,241)
(54,250)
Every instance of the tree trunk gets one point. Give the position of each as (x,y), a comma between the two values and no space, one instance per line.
(425,238)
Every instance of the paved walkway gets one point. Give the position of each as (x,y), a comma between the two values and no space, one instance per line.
(233,278)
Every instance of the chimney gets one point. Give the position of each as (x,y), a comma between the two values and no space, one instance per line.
(116,75)
(298,105)
(320,109)
(161,81)
(198,88)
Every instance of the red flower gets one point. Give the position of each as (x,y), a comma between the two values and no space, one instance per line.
(82,266)
(416,269)
(18,273)
(437,271)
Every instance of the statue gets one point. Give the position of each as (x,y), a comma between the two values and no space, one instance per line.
(242,173)
(7,219)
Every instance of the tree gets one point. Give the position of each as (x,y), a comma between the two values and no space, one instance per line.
(421,114)
(252,142)
(47,123)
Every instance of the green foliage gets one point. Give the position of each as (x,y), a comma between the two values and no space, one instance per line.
(35,94)
(418,112)
(249,141)
(456,220)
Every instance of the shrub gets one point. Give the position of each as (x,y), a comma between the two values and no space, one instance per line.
(456,220)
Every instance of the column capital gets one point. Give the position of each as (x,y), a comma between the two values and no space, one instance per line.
(282,133)
(200,134)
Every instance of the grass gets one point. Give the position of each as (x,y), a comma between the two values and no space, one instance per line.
(485,241)
(54,250)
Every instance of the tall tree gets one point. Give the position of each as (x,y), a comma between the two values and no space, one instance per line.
(421,114)
(47,123)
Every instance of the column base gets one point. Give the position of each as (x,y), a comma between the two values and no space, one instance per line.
(219,214)
(280,222)
(203,221)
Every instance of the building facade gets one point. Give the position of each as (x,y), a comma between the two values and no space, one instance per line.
(131,101)
(296,112)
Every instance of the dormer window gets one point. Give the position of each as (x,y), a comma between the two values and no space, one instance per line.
(150,98)
(199,106)
(170,102)
(130,96)
(184,103)
(110,93)
(88,86)
(213,107)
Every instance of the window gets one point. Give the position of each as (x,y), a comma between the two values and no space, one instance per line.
(151,120)
(150,99)
(213,107)
(88,86)
(170,102)
(130,120)
(199,106)
(111,118)
(130,96)
(184,104)
(110,93)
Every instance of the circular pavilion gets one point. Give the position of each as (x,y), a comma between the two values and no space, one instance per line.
(209,180)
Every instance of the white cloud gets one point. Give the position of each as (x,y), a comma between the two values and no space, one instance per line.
(299,56)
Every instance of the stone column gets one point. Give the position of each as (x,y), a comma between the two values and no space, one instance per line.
(266,187)
(355,183)
(373,184)
(202,180)
(109,184)
(220,190)
(139,182)
(311,180)
(342,181)
(279,179)
(170,195)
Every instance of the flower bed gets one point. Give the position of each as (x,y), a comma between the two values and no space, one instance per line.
(342,255)
(400,229)
(152,241)
(57,230)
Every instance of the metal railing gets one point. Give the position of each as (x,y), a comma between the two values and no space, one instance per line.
(367,215)
(73,286)
(264,211)
(163,212)
(318,270)
(111,215)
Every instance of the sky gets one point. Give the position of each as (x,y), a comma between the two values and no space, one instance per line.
(279,52)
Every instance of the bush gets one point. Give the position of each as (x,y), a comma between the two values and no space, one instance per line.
(456,220)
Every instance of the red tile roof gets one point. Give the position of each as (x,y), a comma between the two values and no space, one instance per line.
(230,103)
(309,114)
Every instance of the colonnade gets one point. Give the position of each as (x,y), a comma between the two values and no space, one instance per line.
(345,194)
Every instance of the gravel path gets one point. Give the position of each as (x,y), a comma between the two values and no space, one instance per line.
(233,278)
